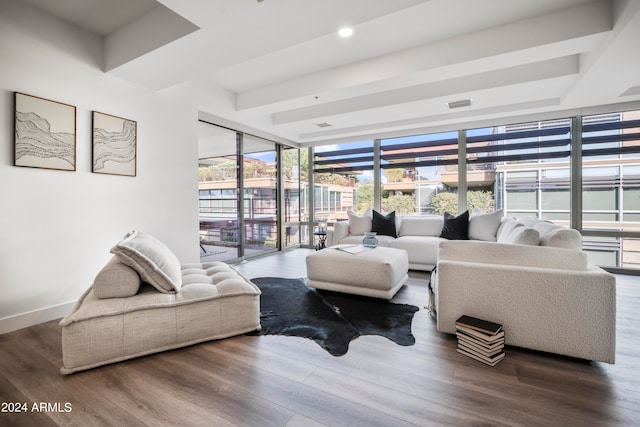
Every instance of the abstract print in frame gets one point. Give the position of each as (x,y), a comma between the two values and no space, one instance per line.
(114,145)
(45,133)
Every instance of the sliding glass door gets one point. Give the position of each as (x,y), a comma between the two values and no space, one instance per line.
(238,194)
(218,194)
(260,192)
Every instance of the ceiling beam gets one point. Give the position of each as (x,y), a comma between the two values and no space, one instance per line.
(429,62)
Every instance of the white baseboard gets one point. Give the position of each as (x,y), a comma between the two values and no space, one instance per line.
(31,318)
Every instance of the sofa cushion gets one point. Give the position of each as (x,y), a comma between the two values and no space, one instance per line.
(429,225)
(554,235)
(359,224)
(116,280)
(384,224)
(506,225)
(519,255)
(516,233)
(485,226)
(383,241)
(154,261)
(455,227)
(422,250)
(560,237)
(215,302)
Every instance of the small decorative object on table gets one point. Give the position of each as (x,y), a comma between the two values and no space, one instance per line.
(480,339)
(321,233)
(370,240)
(322,239)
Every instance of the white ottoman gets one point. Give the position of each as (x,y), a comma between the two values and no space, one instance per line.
(378,272)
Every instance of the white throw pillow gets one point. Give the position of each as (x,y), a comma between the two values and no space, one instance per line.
(554,235)
(485,226)
(506,225)
(154,261)
(519,235)
(359,224)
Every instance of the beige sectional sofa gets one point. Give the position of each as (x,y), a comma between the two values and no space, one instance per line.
(143,301)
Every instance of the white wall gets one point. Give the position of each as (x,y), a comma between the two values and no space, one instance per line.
(56,227)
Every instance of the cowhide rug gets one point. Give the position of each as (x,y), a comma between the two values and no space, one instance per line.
(331,319)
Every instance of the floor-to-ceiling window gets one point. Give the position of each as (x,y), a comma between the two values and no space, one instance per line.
(527,169)
(295,170)
(218,194)
(238,193)
(343,179)
(420,174)
(610,217)
(521,168)
(260,192)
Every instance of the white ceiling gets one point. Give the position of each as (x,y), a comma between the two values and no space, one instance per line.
(98,16)
(279,67)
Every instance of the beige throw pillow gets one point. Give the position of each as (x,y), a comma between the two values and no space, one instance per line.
(116,280)
(154,261)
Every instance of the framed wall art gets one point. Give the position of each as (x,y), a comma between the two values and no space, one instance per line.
(45,133)
(114,145)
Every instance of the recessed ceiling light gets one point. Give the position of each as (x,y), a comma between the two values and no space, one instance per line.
(345,32)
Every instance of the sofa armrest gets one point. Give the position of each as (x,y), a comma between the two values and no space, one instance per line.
(570,313)
(510,254)
(340,231)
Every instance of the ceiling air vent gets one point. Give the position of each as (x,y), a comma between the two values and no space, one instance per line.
(458,104)
(323,124)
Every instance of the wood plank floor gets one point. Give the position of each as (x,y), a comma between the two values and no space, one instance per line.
(285,381)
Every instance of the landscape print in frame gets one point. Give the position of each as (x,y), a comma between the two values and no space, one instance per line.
(45,133)
(114,145)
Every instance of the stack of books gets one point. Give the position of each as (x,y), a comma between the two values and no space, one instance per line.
(480,339)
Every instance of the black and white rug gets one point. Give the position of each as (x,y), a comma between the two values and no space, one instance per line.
(331,319)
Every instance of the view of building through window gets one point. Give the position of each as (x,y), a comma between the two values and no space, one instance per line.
(419,174)
(524,169)
(343,179)
(611,188)
(237,217)
(295,169)
(218,194)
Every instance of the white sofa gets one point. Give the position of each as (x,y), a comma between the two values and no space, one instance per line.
(548,299)
(529,275)
(419,235)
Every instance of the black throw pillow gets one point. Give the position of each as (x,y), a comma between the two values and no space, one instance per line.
(384,224)
(456,227)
